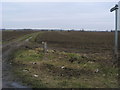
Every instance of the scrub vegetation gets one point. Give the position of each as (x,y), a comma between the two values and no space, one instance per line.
(73,60)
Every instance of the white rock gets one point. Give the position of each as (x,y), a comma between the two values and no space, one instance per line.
(35,75)
(43,42)
(90,62)
(34,63)
(25,70)
(97,70)
(63,67)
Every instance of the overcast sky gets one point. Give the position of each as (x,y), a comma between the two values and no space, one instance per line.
(64,15)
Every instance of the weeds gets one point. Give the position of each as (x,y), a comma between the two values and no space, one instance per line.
(74,74)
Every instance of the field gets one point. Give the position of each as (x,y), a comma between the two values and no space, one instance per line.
(8,36)
(88,42)
(74,59)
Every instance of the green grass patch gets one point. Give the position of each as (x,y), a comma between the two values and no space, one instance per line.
(29,55)
(55,67)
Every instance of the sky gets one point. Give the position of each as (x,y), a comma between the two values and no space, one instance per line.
(59,15)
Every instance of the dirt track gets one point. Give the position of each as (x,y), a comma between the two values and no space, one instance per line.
(8,79)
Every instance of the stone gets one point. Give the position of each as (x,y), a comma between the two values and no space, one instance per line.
(34,63)
(90,62)
(63,67)
(35,75)
(25,70)
(97,70)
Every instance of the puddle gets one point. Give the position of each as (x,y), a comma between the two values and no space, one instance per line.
(17,85)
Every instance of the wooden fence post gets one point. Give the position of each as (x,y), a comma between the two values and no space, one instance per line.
(44,47)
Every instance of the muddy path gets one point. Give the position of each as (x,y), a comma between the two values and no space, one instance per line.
(8,79)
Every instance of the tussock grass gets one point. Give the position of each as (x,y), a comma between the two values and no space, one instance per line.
(54,70)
